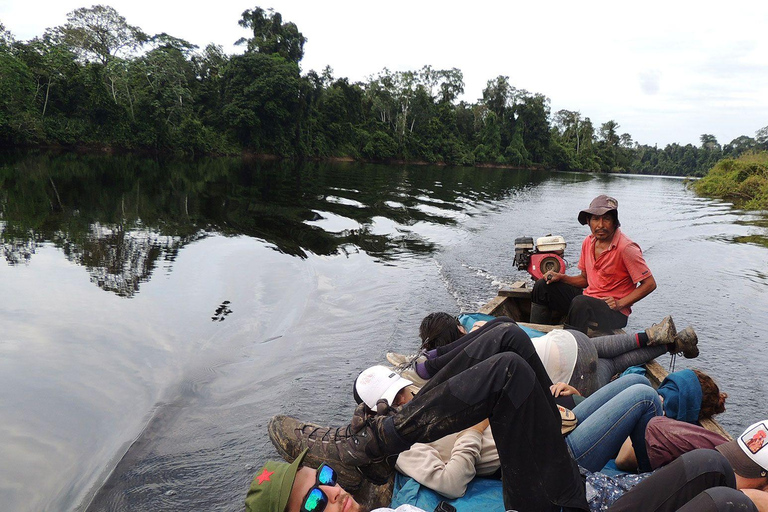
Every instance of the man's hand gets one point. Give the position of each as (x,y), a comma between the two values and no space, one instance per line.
(613,303)
(579,281)
(553,277)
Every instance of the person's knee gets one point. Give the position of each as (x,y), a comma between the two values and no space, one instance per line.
(539,293)
(635,378)
(646,394)
(506,365)
(507,360)
(580,303)
(506,370)
(726,499)
(514,337)
(704,461)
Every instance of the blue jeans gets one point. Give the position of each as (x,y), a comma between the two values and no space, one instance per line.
(614,412)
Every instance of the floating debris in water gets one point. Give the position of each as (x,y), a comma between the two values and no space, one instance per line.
(222,311)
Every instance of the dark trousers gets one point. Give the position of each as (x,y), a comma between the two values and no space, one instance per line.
(582,311)
(700,481)
(501,334)
(538,473)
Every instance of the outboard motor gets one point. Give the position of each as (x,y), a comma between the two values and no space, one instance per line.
(539,259)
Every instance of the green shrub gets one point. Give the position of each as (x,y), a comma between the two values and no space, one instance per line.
(743,180)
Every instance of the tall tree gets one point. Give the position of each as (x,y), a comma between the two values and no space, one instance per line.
(609,133)
(100,33)
(271,35)
(709,141)
(498,94)
(261,101)
(532,121)
(6,38)
(567,122)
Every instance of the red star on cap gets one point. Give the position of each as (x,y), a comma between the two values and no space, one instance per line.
(264,477)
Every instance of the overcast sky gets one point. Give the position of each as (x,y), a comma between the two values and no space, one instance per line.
(666,71)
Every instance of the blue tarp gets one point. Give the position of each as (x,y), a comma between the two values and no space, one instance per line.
(469,319)
(482,494)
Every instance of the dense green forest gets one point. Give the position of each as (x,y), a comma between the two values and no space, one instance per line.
(98,81)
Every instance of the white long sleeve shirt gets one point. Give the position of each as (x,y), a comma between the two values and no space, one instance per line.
(449,464)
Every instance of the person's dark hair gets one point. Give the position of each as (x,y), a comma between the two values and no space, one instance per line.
(712,400)
(438,329)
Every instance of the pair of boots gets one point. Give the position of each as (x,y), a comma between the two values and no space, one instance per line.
(355,452)
(664,333)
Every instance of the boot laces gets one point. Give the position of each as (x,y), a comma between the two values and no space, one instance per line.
(331,435)
(672,361)
(410,362)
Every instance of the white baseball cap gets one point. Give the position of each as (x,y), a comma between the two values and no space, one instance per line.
(748,455)
(379,382)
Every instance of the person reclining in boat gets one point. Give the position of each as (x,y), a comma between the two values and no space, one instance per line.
(699,481)
(667,439)
(569,356)
(617,418)
(478,379)
(620,409)
(513,391)
(613,277)
(689,397)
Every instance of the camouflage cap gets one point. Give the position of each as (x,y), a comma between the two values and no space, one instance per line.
(271,488)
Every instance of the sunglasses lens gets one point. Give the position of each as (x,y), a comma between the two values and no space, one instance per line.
(316,501)
(326,475)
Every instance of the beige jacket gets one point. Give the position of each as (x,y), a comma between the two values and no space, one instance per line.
(449,464)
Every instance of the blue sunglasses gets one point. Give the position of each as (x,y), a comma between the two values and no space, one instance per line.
(316,500)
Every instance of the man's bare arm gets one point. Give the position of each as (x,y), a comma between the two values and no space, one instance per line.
(645,287)
(579,281)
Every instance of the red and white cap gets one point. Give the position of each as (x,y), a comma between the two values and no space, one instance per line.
(748,454)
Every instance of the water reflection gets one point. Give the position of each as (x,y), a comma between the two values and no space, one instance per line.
(318,271)
(121,216)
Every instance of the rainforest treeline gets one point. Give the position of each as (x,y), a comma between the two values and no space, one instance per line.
(99,81)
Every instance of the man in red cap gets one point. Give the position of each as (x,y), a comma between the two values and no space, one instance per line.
(613,277)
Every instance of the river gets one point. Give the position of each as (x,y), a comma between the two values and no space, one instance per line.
(155,314)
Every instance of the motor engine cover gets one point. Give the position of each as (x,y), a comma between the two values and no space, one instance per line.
(541,263)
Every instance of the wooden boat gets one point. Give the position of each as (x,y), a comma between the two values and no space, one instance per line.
(515,302)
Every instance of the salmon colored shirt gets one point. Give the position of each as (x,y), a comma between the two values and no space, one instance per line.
(617,271)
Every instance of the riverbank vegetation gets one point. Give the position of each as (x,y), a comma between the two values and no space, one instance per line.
(98,81)
(743,180)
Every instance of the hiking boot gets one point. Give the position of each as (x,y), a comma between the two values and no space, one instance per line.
(686,342)
(662,333)
(282,433)
(401,359)
(356,445)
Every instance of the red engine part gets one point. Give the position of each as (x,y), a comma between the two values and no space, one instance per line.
(543,262)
